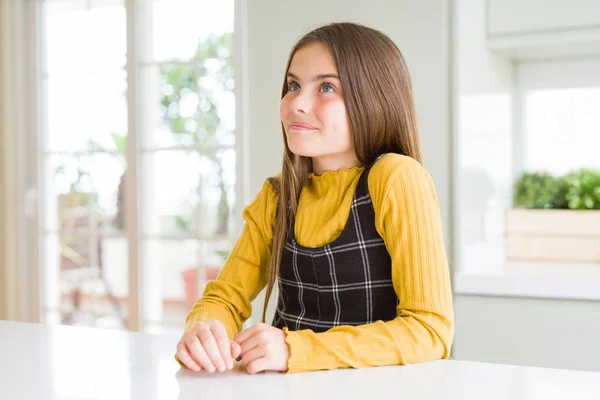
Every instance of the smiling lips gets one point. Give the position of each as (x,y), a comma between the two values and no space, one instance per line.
(300,126)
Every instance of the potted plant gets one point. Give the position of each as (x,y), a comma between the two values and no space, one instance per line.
(190,278)
(555,218)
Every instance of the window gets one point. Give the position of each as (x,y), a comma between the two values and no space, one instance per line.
(545,120)
(159,103)
(561,123)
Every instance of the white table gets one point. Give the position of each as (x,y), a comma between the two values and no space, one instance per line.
(57,362)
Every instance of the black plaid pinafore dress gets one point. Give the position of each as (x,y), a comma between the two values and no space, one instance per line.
(346,282)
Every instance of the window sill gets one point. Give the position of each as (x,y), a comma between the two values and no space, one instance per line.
(534,279)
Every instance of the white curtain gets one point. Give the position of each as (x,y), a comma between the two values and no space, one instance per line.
(18,294)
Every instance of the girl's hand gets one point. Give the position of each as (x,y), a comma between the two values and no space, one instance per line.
(263,349)
(207,346)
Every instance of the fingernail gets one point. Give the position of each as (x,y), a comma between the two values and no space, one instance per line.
(211,369)
(221,368)
(230,366)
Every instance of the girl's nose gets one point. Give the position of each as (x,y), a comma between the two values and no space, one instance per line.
(301,104)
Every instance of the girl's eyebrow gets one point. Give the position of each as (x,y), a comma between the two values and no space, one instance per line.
(316,78)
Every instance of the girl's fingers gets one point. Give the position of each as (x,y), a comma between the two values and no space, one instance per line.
(207,346)
(199,355)
(244,335)
(236,350)
(220,335)
(258,365)
(212,350)
(251,342)
(254,354)
(184,356)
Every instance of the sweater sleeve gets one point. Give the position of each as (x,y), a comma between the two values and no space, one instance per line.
(242,277)
(408,219)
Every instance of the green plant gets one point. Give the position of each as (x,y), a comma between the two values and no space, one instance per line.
(223,253)
(540,190)
(583,189)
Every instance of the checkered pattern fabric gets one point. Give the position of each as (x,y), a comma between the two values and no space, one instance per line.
(347,282)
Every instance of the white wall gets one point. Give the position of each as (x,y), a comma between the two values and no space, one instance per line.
(479,71)
(484,86)
(525,331)
(418,27)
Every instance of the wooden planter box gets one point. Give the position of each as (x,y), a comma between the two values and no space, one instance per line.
(553,235)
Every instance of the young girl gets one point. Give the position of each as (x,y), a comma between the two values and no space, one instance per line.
(350,229)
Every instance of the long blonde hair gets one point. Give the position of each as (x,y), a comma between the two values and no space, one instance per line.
(379,101)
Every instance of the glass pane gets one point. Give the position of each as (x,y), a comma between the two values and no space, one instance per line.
(86,280)
(85,194)
(190,104)
(86,111)
(84,91)
(176,272)
(562,130)
(189,194)
(179,26)
(82,36)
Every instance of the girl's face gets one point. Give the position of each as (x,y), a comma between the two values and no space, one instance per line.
(313,112)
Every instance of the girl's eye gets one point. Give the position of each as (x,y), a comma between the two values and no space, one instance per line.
(327,88)
(293,86)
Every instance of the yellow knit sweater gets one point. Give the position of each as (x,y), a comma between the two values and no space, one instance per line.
(407,218)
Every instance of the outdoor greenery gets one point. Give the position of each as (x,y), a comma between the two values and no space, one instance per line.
(179,82)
